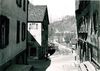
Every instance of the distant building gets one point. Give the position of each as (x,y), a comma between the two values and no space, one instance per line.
(88,30)
(38,22)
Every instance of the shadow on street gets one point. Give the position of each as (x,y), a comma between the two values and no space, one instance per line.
(42,64)
(39,65)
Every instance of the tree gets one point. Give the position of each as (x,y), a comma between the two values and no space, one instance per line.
(51,33)
(68,37)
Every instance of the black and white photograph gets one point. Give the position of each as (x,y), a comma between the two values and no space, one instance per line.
(49,35)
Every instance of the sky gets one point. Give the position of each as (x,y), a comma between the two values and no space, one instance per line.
(57,9)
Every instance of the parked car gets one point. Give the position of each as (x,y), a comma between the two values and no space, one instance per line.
(51,48)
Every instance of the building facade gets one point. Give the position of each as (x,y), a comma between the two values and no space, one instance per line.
(38,22)
(13,21)
(88,21)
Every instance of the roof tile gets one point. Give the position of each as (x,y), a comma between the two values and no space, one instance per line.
(36,13)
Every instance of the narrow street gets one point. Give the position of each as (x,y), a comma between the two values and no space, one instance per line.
(62,63)
(61,60)
(49,35)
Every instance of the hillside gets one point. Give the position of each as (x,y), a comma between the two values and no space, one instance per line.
(66,24)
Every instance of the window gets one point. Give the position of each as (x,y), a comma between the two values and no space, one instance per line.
(24,1)
(23,31)
(18,32)
(19,3)
(4,31)
(33,26)
(95,22)
(29,26)
(95,54)
(36,26)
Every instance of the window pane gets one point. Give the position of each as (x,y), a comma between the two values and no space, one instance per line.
(36,26)
(18,31)
(23,31)
(24,1)
(19,3)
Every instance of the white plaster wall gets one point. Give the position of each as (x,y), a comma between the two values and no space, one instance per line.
(36,33)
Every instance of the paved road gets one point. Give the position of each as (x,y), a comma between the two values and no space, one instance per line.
(63,63)
(61,60)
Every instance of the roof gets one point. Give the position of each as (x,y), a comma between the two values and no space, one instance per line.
(36,12)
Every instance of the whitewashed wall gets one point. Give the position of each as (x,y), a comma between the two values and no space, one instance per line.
(35,30)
